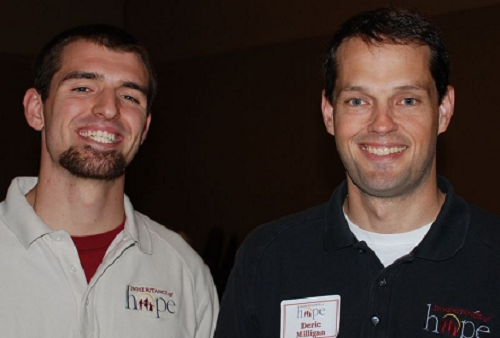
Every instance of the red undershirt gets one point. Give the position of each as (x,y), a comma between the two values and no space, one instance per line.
(91,249)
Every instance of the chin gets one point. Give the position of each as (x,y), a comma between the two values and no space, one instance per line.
(383,186)
(90,163)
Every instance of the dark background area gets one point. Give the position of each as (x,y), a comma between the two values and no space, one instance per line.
(237,137)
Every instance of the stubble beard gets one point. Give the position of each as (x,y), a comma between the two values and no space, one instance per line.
(400,185)
(87,162)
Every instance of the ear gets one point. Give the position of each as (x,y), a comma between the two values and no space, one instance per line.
(33,109)
(446,110)
(327,110)
(146,128)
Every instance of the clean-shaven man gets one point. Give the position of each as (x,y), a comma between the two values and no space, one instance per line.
(395,252)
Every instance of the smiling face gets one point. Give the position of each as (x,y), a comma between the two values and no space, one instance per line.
(385,116)
(95,117)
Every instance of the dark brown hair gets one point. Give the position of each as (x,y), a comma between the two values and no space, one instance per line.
(395,26)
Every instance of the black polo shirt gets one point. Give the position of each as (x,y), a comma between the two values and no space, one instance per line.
(449,285)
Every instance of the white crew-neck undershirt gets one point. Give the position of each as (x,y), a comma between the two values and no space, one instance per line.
(389,247)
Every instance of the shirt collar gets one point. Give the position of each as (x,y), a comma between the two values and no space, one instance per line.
(20,216)
(136,227)
(22,220)
(445,238)
(336,233)
(447,234)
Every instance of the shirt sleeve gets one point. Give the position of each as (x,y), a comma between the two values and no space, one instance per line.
(236,318)
(208,311)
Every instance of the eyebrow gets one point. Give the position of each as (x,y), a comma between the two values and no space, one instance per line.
(410,87)
(83,75)
(354,89)
(136,86)
(366,89)
(98,76)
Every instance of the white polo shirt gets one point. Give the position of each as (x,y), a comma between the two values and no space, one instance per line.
(150,283)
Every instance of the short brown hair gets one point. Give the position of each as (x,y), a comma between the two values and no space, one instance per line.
(394,26)
(48,60)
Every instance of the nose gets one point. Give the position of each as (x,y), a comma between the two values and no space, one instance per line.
(107,105)
(382,121)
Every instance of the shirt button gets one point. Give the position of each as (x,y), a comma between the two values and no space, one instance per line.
(375,320)
(87,302)
(73,269)
(58,239)
(361,251)
(382,282)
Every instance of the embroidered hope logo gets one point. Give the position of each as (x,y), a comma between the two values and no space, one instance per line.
(151,300)
(456,322)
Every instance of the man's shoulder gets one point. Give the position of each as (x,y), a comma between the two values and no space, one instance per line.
(285,230)
(171,253)
(168,242)
(485,226)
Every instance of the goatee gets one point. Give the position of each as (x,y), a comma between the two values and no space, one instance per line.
(87,162)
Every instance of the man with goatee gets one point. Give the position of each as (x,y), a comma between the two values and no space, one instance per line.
(76,259)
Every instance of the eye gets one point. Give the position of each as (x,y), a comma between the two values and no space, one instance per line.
(130,98)
(408,101)
(81,89)
(356,102)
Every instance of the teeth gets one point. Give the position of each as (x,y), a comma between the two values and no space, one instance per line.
(99,136)
(380,151)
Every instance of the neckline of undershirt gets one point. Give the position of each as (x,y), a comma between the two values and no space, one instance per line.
(389,247)
(389,239)
(98,241)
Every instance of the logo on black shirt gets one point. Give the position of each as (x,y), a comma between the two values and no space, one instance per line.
(451,321)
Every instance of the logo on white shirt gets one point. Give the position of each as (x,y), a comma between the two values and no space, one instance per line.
(154,301)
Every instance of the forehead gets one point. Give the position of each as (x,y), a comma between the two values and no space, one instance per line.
(382,62)
(88,56)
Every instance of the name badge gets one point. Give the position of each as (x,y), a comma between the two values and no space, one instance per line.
(316,317)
